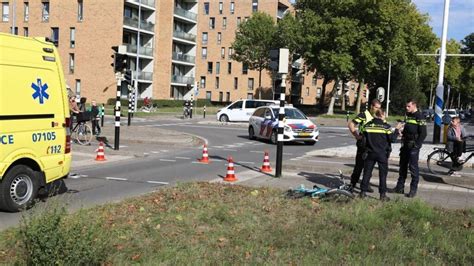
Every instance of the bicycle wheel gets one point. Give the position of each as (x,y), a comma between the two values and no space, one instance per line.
(439,162)
(294,194)
(84,134)
(339,195)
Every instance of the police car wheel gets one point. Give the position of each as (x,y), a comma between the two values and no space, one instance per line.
(18,189)
(274,137)
(251,133)
(224,118)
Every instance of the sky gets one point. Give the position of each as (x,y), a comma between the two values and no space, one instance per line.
(460,20)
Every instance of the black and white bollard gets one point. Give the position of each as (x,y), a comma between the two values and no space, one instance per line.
(281,125)
(102,116)
(192,101)
(117,112)
(204,114)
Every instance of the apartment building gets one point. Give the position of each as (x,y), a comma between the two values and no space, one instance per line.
(172,46)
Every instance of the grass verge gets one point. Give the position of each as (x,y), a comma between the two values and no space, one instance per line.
(201,223)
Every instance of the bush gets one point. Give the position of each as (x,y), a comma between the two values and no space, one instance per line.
(48,238)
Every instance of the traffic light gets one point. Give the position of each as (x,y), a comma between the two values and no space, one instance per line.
(120,58)
(438,56)
(279,60)
(128,76)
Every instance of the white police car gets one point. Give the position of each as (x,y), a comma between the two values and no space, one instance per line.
(263,124)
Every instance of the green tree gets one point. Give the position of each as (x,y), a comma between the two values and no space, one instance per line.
(254,39)
(467,75)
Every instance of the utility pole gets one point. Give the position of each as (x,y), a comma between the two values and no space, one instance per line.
(440,87)
(388,84)
(13,17)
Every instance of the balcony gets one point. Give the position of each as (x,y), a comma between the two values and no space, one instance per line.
(144,25)
(150,3)
(184,35)
(143,50)
(142,75)
(182,79)
(185,13)
(184,58)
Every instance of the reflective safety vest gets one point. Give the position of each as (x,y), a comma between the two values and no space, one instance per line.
(363,122)
(413,121)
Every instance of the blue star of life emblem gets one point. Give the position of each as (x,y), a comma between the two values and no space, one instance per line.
(40,91)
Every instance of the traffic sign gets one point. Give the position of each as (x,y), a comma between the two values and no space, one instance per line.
(380,94)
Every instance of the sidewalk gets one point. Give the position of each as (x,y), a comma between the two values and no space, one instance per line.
(135,141)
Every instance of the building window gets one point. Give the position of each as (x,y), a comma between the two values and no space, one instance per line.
(26,11)
(55,35)
(307,91)
(71,63)
(221,96)
(78,87)
(250,84)
(236,83)
(239,20)
(212,23)
(73,37)
(204,38)
(219,38)
(209,67)
(45,11)
(218,68)
(254,5)
(127,12)
(204,53)
(14,31)
(26,32)
(208,95)
(314,81)
(227,96)
(224,22)
(318,92)
(232,7)
(229,68)
(249,96)
(246,18)
(223,52)
(80,10)
(217,82)
(221,7)
(245,69)
(231,51)
(5,11)
(206,8)
(203,82)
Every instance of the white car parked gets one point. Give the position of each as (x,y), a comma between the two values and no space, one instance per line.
(263,124)
(241,110)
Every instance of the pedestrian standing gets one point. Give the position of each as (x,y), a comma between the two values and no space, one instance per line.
(379,136)
(95,118)
(356,127)
(413,135)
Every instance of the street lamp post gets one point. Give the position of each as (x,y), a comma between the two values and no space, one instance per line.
(388,85)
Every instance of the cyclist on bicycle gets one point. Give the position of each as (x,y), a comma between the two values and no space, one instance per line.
(456,144)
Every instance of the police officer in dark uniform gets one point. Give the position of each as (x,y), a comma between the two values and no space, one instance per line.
(360,121)
(379,136)
(413,135)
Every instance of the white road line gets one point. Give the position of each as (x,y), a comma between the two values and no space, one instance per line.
(116,178)
(155,152)
(229,150)
(322,161)
(217,147)
(157,182)
(245,162)
(167,160)
(184,158)
(257,151)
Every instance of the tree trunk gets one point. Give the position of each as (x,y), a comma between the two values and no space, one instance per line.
(343,95)
(333,98)
(323,94)
(359,95)
(260,84)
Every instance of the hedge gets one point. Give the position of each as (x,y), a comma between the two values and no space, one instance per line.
(164,103)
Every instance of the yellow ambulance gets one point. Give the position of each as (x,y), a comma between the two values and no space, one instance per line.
(35,142)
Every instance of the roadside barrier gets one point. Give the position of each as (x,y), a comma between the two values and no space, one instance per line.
(266,163)
(230,176)
(100,152)
(205,156)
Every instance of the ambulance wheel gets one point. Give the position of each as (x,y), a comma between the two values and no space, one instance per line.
(18,189)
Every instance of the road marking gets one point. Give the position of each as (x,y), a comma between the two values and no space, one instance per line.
(115,178)
(257,151)
(155,152)
(229,150)
(242,129)
(245,162)
(157,182)
(217,147)
(184,158)
(167,160)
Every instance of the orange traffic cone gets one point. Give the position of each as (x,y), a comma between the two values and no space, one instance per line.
(205,156)
(230,177)
(100,152)
(266,164)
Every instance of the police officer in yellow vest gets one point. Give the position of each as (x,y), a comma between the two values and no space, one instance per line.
(379,136)
(360,121)
(413,135)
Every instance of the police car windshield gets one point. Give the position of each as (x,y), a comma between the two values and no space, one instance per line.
(290,113)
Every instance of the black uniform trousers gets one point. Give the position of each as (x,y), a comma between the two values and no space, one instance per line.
(369,163)
(359,163)
(409,159)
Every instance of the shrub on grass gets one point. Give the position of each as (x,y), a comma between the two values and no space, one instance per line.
(50,237)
